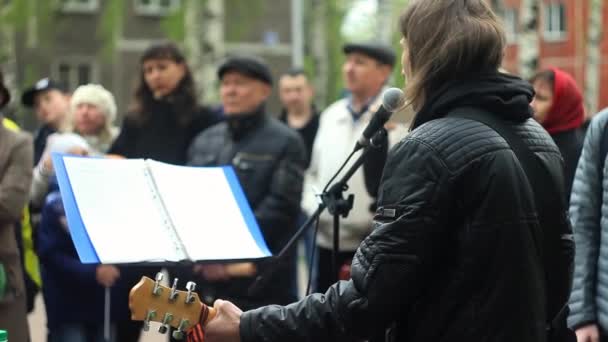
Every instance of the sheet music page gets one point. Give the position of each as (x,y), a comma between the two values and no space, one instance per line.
(117,206)
(205,212)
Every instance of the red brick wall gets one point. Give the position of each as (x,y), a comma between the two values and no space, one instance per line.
(511,52)
(568,54)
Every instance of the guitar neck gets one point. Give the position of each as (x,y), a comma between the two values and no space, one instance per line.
(150,301)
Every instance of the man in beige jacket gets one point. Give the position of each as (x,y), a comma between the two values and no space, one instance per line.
(366,71)
(16,155)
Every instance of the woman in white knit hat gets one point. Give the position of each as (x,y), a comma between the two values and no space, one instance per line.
(93,111)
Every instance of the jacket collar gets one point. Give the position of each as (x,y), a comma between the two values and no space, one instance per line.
(242,123)
(503,95)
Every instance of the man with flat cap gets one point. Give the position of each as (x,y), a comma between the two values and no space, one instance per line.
(269,160)
(366,71)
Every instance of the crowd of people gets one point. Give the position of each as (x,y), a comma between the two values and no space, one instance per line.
(447,239)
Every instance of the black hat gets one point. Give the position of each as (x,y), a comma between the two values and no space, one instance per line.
(249,66)
(27,99)
(380,52)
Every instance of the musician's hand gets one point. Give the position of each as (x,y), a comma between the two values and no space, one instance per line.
(224,327)
(47,163)
(212,272)
(107,275)
(588,333)
(390,125)
(47,159)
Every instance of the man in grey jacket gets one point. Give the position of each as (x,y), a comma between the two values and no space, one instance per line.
(589,214)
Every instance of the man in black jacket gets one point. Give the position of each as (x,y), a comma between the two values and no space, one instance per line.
(454,255)
(269,160)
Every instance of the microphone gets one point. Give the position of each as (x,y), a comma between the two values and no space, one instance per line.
(392,99)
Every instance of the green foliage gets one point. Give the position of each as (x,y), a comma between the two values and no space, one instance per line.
(309,66)
(245,14)
(19,13)
(24,116)
(31,74)
(110,26)
(174,25)
(336,11)
(335,15)
(16,14)
(46,15)
(397,79)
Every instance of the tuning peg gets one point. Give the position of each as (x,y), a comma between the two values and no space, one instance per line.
(174,292)
(149,316)
(179,333)
(165,323)
(190,286)
(157,289)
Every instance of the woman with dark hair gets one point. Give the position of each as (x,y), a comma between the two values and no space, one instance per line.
(164,114)
(558,107)
(453,254)
(163,118)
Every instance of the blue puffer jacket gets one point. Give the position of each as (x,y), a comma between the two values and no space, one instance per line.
(589,215)
(71,292)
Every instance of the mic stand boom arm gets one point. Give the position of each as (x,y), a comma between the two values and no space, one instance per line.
(335,203)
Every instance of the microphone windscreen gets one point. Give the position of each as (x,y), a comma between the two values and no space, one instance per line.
(392,99)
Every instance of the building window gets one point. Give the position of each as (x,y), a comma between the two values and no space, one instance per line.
(511,24)
(156,7)
(74,72)
(80,6)
(555,21)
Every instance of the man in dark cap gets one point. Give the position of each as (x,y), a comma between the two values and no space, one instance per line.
(51,102)
(269,160)
(366,71)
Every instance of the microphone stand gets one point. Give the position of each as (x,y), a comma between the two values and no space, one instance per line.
(333,200)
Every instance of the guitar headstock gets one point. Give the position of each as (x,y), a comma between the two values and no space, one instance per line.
(149,301)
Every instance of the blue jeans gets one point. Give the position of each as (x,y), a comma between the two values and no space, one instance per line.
(77,333)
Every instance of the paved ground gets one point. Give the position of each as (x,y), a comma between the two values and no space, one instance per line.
(37,321)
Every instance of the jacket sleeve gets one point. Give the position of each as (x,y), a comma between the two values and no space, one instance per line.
(39,188)
(280,207)
(390,268)
(53,245)
(585,214)
(124,142)
(15,184)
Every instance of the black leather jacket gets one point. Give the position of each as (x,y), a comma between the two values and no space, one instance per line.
(452,256)
(269,159)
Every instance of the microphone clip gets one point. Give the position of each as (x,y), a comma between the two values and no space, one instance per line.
(379,139)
